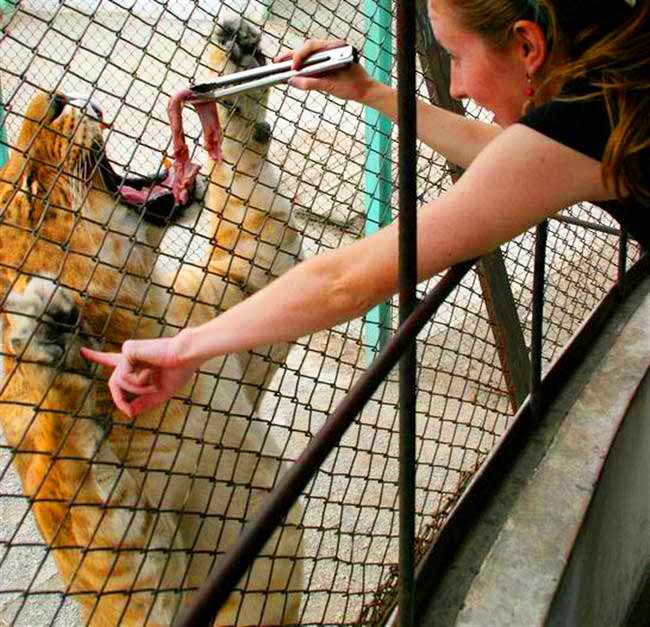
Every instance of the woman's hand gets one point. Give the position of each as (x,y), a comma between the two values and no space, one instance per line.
(145,374)
(349,83)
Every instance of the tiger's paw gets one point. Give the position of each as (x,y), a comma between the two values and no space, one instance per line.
(241,40)
(44,326)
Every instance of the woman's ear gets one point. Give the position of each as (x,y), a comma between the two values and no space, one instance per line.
(530,45)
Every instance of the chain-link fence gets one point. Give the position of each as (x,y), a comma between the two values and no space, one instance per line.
(118,520)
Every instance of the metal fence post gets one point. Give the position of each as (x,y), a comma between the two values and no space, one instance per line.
(537,330)
(406,113)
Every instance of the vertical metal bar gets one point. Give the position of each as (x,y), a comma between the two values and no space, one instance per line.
(378,52)
(622,261)
(406,113)
(538,319)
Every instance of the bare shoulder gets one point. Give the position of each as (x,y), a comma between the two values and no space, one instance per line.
(520,178)
(535,165)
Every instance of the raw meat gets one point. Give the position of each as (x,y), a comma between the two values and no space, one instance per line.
(184,170)
(180,178)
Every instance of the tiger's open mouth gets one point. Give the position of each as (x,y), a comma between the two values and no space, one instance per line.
(151,195)
(162,196)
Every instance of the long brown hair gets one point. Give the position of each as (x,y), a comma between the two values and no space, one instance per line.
(605,41)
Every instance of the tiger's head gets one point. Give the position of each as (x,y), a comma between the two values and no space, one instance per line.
(52,166)
(55,159)
(59,195)
(61,134)
(61,147)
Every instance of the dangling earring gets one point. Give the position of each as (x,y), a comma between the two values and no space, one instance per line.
(529,92)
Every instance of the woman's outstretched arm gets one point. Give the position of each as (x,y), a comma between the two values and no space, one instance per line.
(516,181)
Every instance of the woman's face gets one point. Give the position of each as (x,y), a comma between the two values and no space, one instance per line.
(494,79)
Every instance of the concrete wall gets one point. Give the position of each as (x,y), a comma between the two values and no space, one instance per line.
(564,541)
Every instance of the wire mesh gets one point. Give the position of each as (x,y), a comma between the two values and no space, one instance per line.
(176,488)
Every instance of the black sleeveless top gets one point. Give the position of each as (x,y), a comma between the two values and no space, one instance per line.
(584,126)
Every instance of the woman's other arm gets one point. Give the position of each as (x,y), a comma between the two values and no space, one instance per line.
(517,181)
(457,138)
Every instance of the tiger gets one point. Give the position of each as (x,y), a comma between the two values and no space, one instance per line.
(136,511)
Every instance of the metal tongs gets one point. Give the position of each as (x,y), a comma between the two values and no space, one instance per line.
(272,74)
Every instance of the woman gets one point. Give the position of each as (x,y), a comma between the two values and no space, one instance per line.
(569,86)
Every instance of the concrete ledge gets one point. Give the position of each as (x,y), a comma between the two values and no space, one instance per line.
(610,562)
(569,529)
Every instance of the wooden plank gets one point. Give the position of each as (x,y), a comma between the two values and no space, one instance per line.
(506,326)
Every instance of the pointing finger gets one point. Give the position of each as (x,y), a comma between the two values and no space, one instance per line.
(105,359)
